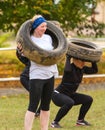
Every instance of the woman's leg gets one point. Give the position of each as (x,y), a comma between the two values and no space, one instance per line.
(44,119)
(29,117)
(25,82)
(37,113)
(64,102)
(34,96)
(86,102)
(45,103)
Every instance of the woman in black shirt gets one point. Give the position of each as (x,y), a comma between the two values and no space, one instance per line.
(24,76)
(65,95)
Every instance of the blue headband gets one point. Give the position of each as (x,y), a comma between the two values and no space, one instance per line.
(37,22)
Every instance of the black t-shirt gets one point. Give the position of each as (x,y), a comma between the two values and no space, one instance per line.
(26,62)
(72,77)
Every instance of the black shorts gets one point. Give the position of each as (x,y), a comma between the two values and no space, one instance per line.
(40,90)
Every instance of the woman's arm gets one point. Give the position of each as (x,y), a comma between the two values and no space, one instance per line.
(20,56)
(67,64)
(91,70)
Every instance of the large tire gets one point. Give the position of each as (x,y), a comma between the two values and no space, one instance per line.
(37,54)
(84,50)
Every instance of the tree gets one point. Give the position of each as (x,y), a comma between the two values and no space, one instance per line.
(14,12)
(70,13)
(78,15)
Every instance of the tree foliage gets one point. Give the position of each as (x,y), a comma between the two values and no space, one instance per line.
(78,15)
(14,12)
(70,13)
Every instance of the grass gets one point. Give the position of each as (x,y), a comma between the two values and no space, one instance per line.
(6,39)
(13,108)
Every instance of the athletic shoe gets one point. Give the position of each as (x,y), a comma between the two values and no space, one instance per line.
(37,114)
(55,125)
(83,123)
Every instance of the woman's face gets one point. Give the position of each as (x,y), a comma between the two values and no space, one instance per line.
(40,30)
(79,63)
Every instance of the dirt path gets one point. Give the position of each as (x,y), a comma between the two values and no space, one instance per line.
(16,91)
(12,91)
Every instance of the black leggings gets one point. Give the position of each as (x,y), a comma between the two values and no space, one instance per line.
(67,102)
(40,90)
(25,82)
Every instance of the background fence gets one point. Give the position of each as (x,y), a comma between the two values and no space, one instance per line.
(14,82)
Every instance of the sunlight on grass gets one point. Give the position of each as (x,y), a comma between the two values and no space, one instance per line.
(13,108)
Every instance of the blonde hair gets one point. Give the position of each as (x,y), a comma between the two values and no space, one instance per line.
(35,17)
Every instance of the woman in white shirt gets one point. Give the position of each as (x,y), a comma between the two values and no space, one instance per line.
(41,77)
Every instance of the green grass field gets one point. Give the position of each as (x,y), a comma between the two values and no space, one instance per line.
(13,108)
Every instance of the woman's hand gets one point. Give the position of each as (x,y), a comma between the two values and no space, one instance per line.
(68,56)
(19,48)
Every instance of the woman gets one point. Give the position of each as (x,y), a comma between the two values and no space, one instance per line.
(41,77)
(65,95)
(24,76)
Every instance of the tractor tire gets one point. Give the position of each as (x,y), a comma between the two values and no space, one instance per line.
(37,54)
(84,50)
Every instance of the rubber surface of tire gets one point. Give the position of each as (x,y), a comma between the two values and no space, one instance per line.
(84,50)
(37,54)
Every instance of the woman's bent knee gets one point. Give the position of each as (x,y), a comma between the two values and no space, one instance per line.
(90,99)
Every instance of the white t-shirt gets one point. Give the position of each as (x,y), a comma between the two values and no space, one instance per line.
(38,71)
